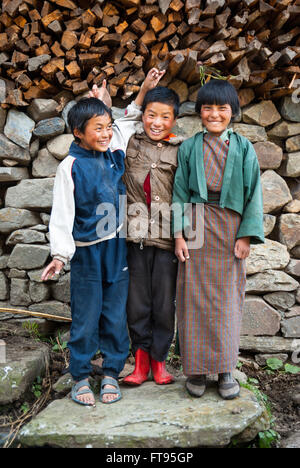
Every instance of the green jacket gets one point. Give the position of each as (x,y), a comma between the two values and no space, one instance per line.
(241,188)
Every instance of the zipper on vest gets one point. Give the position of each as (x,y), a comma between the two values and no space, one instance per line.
(141,244)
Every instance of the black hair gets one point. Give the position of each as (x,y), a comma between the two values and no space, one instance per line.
(83,111)
(218,92)
(164,96)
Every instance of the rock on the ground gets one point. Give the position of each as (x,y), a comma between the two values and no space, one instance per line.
(289,230)
(293,441)
(269,155)
(28,256)
(281,300)
(293,267)
(60,145)
(259,318)
(49,128)
(275,190)
(270,281)
(19,292)
(13,174)
(290,327)
(38,292)
(3,287)
(253,132)
(31,194)
(11,151)
(22,367)
(61,289)
(293,143)
(268,344)
(41,109)
(264,113)
(186,127)
(53,308)
(269,224)
(290,110)
(25,236)
(267,256)
(147,416)
(44,165)
(292,207)
(14,218)
(284,130)
(291,165)
(19,128)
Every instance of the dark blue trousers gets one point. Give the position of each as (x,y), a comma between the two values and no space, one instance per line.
(99,288)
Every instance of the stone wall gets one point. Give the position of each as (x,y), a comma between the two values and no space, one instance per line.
(32,144)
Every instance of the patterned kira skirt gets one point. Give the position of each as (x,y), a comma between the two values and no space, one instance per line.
(210,296)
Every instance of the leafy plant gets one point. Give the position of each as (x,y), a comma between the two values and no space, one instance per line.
(290,369)
(266,438)
(61,346)
(37,387)
(33,329)
(275,364)
(25,407)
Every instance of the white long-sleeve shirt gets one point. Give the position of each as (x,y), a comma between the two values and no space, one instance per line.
(63,213)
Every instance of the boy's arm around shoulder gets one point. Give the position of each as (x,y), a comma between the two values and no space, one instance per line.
(125,127)
(63,213)
(252,218)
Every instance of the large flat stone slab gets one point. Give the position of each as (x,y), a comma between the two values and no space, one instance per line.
(25,361)
(147,416)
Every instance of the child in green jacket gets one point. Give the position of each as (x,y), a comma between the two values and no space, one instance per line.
(217,169)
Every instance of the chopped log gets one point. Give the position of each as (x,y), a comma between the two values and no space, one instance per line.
(176,5)
(80,87)
(69,40)
(121,27)
(158,22)
(217,47)
(73,70)
(15,98)
(54,16)
(242,69)
(176,64)
(138,26)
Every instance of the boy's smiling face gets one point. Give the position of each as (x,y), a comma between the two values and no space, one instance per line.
(158,120)
(216,118)
(97,134)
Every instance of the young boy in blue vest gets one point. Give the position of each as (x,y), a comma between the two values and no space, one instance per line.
(84,229)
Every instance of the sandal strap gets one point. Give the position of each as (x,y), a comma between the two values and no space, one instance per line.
(110,381)
(83,392)
(82,383)
(105,391)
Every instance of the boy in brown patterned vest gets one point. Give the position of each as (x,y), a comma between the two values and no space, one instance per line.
(150,165)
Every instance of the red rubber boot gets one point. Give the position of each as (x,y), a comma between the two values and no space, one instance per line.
(160,374)
(141,370)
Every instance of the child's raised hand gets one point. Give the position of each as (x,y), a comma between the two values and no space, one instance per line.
(242,248)
(52,269)
(181,250)
(101,93)
(152,79)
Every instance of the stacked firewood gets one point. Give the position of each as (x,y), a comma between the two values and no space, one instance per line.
(47,46)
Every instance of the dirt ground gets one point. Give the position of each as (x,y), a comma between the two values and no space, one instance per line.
(278,387)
